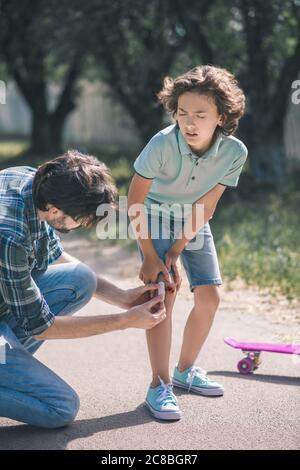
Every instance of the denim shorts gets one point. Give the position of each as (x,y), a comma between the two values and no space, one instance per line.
(199,257)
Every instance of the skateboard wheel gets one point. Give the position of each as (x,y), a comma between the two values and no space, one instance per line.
(246,366)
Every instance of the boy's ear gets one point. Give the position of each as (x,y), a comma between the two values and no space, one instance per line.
(222,120)
(175,114)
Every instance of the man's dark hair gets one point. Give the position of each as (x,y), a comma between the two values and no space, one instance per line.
(76,184)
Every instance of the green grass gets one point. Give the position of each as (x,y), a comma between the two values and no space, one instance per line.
(10,149)
(259,242)
(257,237)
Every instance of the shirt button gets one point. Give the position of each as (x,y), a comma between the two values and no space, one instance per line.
(193,177)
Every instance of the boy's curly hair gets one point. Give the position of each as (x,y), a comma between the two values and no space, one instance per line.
(215,82)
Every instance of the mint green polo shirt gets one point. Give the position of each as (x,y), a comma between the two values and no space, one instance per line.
(180,176)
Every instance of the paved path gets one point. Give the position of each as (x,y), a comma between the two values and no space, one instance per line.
(111,375)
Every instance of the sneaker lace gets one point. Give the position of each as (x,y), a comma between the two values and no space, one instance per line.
(196,372)
(166,393)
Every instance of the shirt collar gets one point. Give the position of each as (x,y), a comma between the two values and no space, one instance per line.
(186,150)
(35,225)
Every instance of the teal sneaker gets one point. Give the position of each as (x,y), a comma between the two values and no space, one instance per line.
(162,402)
(195,379)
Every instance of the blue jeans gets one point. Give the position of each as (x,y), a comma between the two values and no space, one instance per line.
(29,391)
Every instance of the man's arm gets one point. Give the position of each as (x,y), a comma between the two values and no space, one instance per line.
(82,327)
(19,291)
(28,306)
(109,293)
(66,258)
(105,291)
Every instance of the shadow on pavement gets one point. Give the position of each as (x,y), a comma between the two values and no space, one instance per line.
(23,437)
(275,379)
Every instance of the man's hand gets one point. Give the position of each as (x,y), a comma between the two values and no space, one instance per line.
(139,295)
(142,316)
(82,327)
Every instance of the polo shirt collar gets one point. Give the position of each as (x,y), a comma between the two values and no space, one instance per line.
(186,150)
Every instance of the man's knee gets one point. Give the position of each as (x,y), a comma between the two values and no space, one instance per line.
(71,409)
(86,278)
(65,413)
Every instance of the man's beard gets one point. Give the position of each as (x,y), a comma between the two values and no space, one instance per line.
(61,222)
(61,230)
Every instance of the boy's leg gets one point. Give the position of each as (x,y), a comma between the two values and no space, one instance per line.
(66,288)
(159,344)
(198,324)
(159,338)
(202,268)
(29,391)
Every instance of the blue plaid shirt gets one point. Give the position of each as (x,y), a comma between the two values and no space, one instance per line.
(27,246)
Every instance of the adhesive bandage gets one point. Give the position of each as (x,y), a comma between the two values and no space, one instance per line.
(161,289)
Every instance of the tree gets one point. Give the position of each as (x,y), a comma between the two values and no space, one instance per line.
(135,44)
(260,43)
(272,37)
(36,49)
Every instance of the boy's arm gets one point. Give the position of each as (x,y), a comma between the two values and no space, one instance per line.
(209,202)
(152,264)
(137,193)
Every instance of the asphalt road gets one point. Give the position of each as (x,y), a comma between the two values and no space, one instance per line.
(111,375)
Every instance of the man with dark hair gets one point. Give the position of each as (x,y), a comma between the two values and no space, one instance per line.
(37,297)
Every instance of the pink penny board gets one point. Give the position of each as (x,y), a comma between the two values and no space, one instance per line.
(251,362)
(277,348)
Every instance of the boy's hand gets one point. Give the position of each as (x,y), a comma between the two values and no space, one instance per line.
(152,268)
(172,262)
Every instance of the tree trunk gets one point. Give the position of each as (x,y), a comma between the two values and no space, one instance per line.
(267,162)
(56,127)
(267,155)
(40,135)
(149,123)
(47,128)
(46,136)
